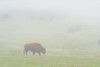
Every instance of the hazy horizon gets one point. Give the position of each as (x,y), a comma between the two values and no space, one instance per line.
(27,20)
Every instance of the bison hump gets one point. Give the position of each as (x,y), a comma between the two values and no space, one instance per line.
(33,45)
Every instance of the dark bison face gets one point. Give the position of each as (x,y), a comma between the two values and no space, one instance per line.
(43,50)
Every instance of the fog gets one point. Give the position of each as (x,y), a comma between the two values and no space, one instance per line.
(54,23)
(49,33)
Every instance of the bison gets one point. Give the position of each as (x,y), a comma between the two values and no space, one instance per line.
(35,48)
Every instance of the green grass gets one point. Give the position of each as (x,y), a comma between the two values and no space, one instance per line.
(53,58)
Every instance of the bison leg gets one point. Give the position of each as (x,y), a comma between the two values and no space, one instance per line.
(25,52)
(39,53)
(33,53)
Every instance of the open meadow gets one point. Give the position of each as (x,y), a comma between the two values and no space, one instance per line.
(53,58)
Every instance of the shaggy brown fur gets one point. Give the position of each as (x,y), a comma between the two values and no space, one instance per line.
(34,47)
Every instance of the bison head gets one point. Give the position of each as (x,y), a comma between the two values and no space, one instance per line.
(43,50)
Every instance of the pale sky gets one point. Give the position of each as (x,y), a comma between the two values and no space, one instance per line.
(71,7)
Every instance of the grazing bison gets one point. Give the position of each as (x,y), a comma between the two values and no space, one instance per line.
(35,48)
(74,29)
(99,42)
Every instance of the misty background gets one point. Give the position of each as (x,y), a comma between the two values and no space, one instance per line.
(58,24)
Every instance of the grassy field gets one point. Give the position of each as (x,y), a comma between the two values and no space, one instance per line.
(53,58)
(54,36)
